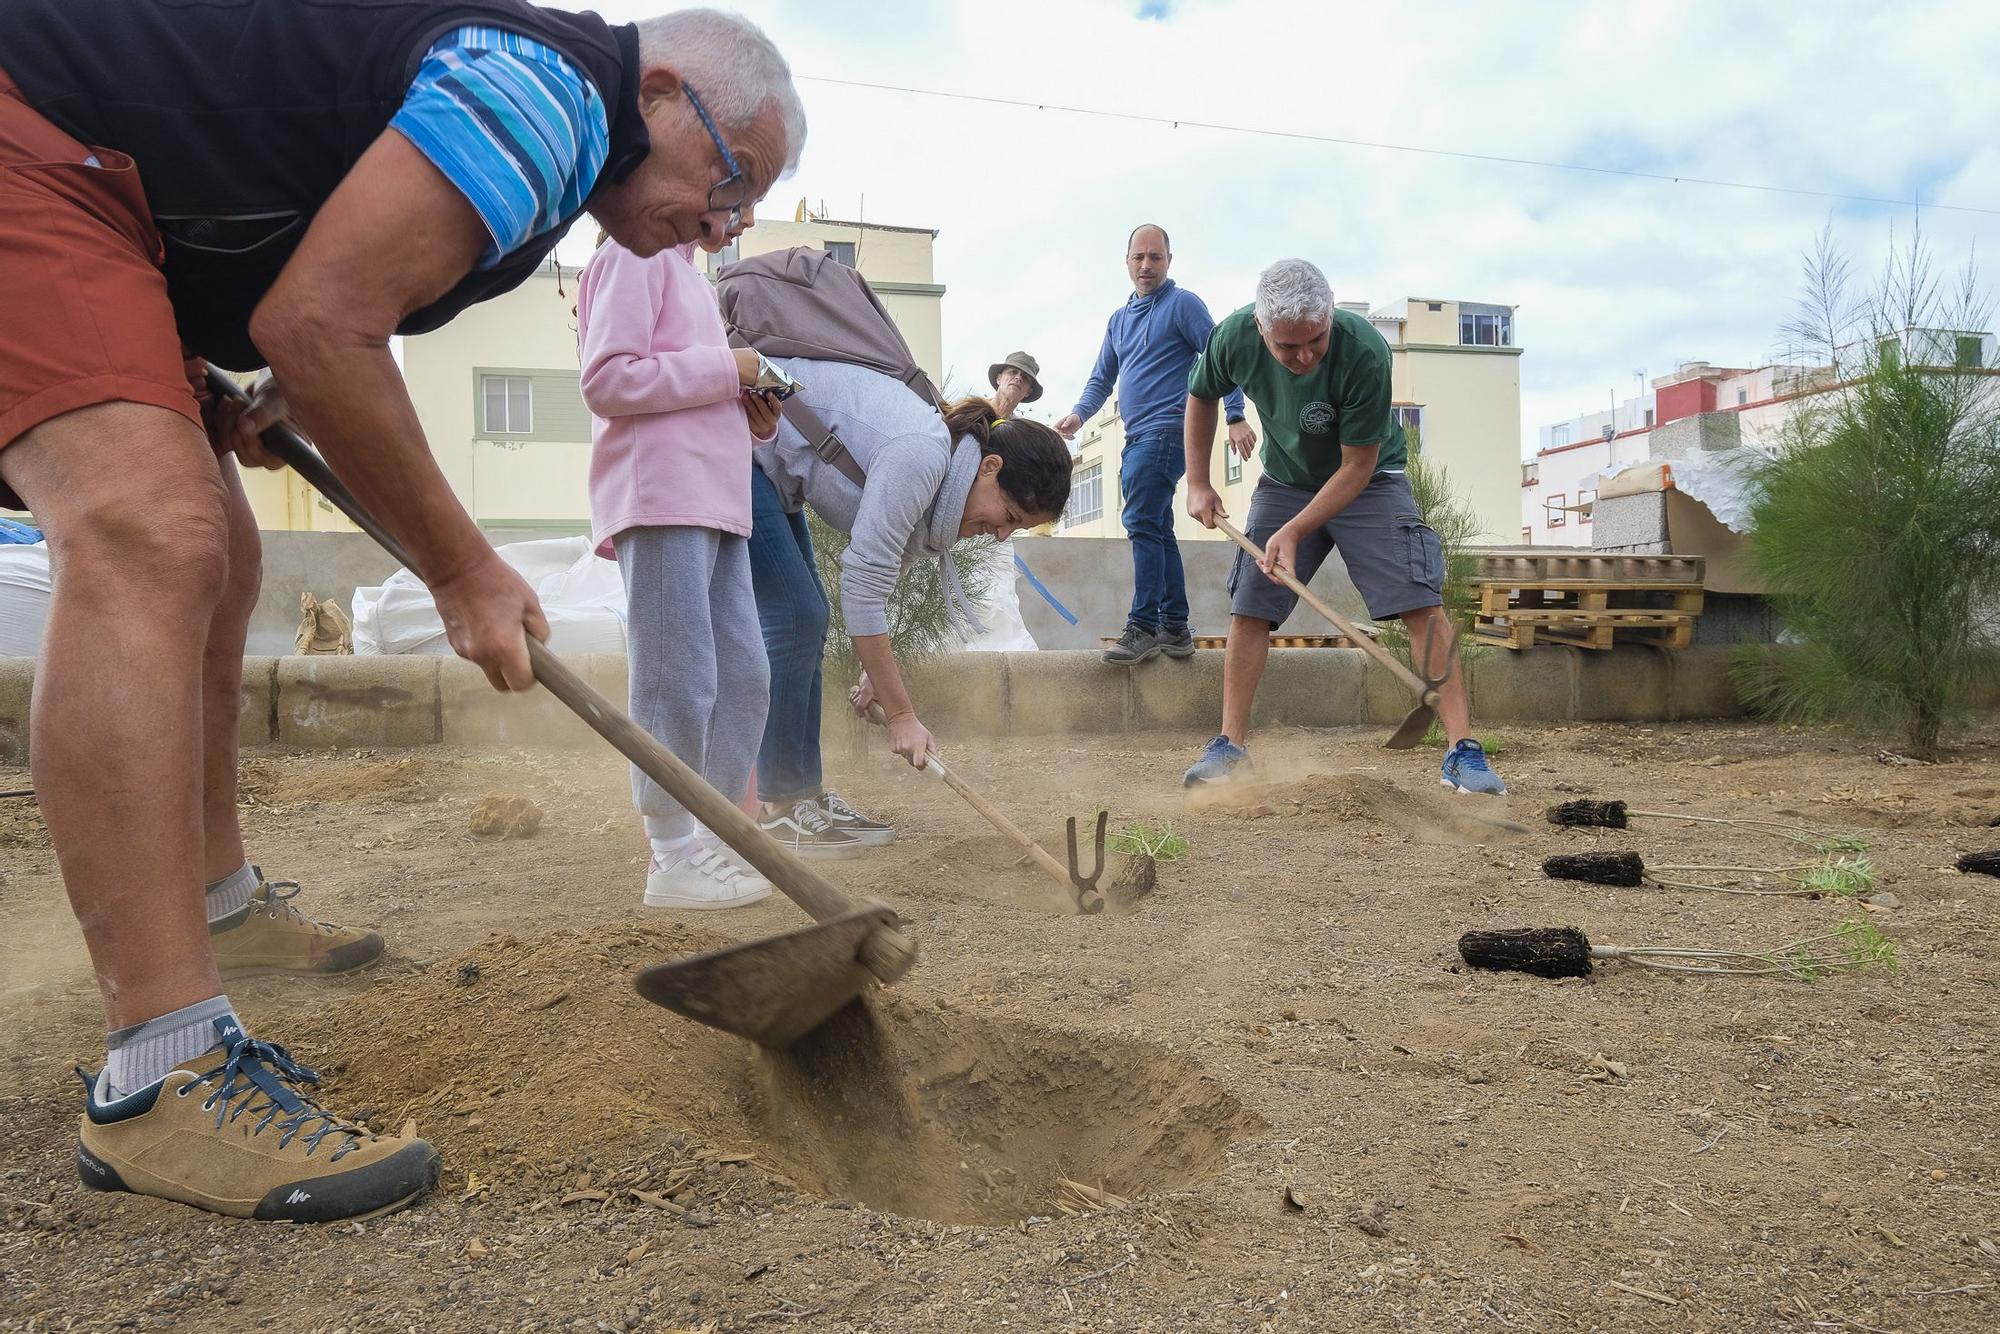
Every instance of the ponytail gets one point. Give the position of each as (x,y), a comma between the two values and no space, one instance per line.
(971,418)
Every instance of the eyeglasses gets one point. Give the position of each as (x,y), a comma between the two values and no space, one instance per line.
(729,193)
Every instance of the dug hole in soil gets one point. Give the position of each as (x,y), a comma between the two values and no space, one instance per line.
(1268,1096)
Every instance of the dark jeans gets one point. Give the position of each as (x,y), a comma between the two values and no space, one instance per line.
(1148,471)
(792,612)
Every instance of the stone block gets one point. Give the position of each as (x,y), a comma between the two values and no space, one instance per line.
(1627,683)
(17,680)
(1181,695)
(472,713)
(1068,693)
(1312,687)
(256,719)
(1629,520)
(342,703)
(961,694)
(1531,685)
(1700,684)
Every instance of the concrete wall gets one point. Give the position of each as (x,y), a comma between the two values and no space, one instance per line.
(349,703)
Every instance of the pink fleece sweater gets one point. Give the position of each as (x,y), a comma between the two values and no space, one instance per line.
(670,444)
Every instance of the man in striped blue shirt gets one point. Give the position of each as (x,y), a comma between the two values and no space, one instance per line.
(264,183)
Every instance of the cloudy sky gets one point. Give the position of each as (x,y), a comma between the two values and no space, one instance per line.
(1612,274)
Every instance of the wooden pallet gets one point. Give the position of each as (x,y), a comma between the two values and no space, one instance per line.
(1498,597)
(1607,566)
(1521,628)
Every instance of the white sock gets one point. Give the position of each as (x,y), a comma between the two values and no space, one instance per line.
(142,1054)
(231,894)
(667,851)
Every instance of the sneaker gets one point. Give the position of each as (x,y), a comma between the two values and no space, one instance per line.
(1466,769)
(705,879)
(1177,641)
(230,1131)
(1133,647)
(1218,763)
(806,830)
(751,877)
(871,833)
(269,935)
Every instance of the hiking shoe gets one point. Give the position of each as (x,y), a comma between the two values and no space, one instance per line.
(269,935)
(806,830)
(1218,763)
(1466,769)
(230,1131)
(1133,647)
(701,880)
(1177,641)
(870,833)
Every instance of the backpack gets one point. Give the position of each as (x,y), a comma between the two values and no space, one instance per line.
(804,303)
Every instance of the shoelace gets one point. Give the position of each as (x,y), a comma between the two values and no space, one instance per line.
(809,817)
(255,1068)
(1218,748)
(277,902)
(1472,757)
(832,802)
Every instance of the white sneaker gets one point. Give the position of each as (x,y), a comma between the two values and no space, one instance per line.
(751,877)
(702,880)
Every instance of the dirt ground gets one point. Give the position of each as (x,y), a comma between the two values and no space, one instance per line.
(1314,1116)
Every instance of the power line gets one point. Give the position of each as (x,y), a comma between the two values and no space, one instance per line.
(1176,123)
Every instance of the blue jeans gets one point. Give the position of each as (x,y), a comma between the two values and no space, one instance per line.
(1148,471)
(792,612)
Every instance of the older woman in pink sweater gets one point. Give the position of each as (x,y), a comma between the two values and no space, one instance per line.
(671,432)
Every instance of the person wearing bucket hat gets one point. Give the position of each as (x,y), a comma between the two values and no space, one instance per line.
(1015,381)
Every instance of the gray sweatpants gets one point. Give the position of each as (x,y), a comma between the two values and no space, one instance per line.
(699,680)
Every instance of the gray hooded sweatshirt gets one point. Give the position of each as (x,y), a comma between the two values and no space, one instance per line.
(915,495)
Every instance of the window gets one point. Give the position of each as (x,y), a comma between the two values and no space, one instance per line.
(1552,511)
(1559,435)
(1409,416)
(1742,397)
(1435,306)
(1531,473)
(1086,496)
(1232,465)
(841,252)
(509,404)
(1477,330)
(1584,498)
(1967,356)
(1649,419)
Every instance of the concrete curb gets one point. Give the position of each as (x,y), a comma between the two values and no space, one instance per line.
(347,703)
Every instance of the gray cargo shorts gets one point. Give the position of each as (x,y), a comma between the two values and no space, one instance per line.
(1392,555)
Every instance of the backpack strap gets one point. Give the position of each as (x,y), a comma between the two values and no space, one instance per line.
(823,439)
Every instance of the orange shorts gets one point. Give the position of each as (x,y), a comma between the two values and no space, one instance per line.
(84,315)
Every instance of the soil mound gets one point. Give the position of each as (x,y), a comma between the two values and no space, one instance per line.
(522,1051)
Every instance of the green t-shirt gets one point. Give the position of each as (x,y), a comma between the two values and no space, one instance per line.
(1344,400)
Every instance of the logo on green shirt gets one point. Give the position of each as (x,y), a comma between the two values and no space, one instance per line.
(1316,418)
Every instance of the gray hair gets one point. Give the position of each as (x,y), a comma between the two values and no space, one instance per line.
(1293,290)
(737,70)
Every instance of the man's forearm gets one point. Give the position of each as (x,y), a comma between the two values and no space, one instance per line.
(350,398)
(878,659)
(1347,482)
(1200,438)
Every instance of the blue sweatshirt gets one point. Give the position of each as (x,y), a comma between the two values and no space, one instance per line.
(1149,347)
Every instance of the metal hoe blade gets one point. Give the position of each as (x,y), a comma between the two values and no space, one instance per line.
(771,991)
(1411,732)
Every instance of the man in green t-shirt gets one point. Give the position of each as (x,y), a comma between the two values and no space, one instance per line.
(1334,456)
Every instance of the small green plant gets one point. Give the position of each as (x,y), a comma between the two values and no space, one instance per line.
(1159,842)
(1494,746)
(1840,877)
(1841,845)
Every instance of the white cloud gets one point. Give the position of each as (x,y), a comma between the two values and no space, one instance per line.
(1611,273)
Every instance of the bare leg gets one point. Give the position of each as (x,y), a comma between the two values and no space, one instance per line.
(1431,643)
(222,684)
(136,517)
(1242,671)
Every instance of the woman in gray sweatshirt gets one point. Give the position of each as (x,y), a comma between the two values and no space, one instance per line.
(929,481)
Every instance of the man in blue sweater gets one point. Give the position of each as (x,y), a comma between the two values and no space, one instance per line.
(1149,346)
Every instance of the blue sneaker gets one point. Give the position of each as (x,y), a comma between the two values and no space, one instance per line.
(1217,763)
(1466,769)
